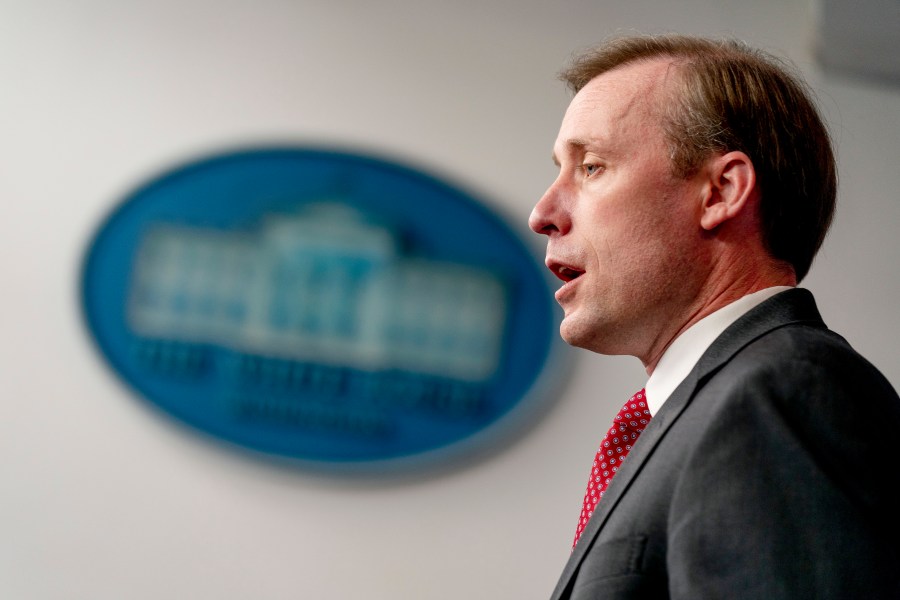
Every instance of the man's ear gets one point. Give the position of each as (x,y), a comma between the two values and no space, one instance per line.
(732,189)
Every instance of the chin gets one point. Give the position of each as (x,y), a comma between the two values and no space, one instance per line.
(590,336)
(574,333)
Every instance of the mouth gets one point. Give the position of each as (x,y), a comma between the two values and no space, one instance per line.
(564,272)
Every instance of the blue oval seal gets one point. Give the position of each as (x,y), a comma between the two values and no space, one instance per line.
(321,306)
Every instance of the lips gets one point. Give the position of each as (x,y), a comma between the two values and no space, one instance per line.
(565,272)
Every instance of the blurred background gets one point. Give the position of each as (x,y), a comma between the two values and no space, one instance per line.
(101,496)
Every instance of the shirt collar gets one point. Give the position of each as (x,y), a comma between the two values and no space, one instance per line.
(681,356)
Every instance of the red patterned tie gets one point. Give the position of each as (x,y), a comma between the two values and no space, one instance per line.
(626,427)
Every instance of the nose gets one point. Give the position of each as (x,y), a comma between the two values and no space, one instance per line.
(548,216)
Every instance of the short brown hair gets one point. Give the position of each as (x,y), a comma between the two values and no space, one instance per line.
(733,97)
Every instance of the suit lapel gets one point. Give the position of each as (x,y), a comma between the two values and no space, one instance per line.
(792,306)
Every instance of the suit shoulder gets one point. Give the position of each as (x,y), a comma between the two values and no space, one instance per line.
(813,357)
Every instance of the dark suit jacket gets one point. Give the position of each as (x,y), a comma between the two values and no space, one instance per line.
(771,472)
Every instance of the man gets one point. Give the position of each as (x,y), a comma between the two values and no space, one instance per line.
(696,183)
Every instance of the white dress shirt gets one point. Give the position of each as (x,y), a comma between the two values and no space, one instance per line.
(680,357)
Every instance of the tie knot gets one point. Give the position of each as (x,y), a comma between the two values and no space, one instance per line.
(634,414)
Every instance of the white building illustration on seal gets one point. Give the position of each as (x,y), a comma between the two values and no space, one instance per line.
(323,285)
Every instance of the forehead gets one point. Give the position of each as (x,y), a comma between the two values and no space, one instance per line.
(621,104)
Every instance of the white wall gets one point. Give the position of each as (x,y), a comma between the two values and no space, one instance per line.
(102,497)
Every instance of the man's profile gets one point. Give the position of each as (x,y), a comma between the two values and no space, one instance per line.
(696,184)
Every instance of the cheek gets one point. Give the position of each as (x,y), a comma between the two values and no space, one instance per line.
(634,216)
(666,213)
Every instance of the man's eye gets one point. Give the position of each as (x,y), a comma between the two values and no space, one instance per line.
(590,169)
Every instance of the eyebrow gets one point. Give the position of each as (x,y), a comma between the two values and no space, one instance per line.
(572,144)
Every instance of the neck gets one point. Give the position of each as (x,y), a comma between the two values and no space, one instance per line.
(715,298)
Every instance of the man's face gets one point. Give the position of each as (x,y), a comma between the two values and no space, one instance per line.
(623,233)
